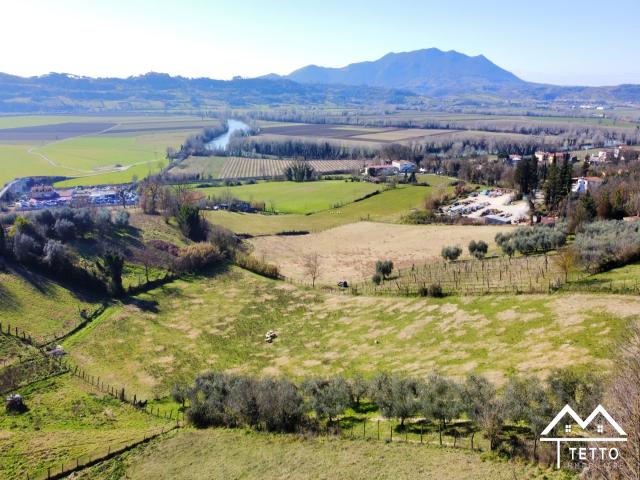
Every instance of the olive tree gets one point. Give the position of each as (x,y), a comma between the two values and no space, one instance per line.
(441,401)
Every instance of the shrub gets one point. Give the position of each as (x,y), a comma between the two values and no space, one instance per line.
(376,278)
(198,256)
(164,246)
(64,229)
(255,265)
(103,219)
(451,253)
(226,241)
(121,219)
(55,255)
(25,248)
(478,249)
(384,268)
(605,244)
(190,223)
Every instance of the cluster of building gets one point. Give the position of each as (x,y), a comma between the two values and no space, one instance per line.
(45,196)
(396,167)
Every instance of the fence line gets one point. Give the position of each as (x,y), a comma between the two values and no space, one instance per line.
(54,473)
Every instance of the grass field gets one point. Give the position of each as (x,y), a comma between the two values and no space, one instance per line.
(38,305)
(174,332)
(389,206)
(350,251)
(133,146)
(296,197)
(67,419)
(188,454)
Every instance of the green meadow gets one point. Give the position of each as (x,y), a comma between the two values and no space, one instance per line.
(388,206)
(170,334)
(296,197)
(67,420)
(188,454)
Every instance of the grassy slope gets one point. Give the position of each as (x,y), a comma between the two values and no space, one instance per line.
(66,419)
(293,197)
(188,454)
(38,305)
(389,206)
(175,332)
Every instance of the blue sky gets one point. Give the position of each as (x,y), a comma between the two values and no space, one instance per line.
(563,41)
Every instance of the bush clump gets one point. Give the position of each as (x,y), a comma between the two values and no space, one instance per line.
(197,257)
(255,265)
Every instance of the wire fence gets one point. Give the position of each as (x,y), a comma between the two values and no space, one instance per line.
(64,469)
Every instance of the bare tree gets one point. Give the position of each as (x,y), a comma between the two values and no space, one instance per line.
(311,263)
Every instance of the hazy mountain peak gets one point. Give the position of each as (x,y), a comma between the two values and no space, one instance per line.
(429,71)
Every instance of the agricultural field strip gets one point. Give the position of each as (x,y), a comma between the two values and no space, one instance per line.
(242,167)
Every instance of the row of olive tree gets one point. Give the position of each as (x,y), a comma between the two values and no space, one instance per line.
(526,240)
(219,399)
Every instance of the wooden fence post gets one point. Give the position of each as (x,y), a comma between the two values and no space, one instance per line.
(378,429)
(421,432)
(391,431)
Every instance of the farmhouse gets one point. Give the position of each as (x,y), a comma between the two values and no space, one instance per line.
(404,166)
(381,170)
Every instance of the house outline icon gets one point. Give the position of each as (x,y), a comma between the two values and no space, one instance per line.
(599,410)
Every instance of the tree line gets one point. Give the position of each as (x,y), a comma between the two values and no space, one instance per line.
(279,405)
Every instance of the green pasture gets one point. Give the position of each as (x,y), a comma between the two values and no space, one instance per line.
(170,334)
(39,306)
(67,420)
(388,206)
(298,197)
(187,454)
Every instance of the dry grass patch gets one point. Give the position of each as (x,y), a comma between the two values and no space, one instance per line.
(350,251)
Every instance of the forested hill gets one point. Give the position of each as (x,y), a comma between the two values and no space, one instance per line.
(65,93)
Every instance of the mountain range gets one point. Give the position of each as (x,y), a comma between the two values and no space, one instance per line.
(435,73)
(429,77)
(429,72)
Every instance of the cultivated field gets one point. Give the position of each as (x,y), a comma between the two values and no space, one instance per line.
(172,333)
(297,197)
(242,167)
(254,455)
(350,251)
(97,149)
